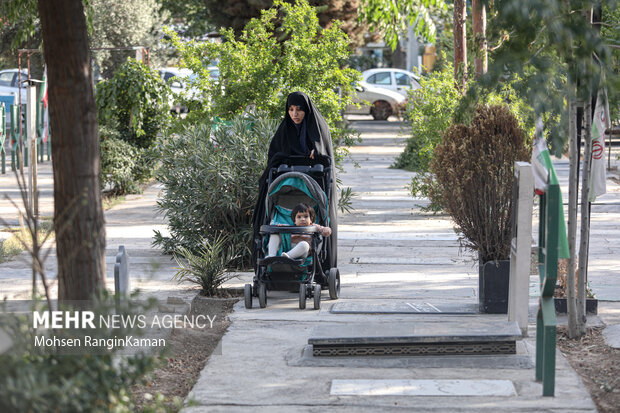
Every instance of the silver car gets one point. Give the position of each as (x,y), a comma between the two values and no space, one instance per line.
(380,103)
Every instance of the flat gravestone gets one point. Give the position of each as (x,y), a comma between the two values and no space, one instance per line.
(423,388)
(404,308)
(611,334)
(473,337)
(415,332)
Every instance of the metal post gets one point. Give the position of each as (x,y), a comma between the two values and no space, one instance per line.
(2,138)
(31,136)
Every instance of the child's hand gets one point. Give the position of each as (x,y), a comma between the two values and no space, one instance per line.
(326,232)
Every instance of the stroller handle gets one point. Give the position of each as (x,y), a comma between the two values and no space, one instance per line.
(276,229)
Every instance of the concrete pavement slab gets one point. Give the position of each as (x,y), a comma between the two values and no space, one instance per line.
(422,388)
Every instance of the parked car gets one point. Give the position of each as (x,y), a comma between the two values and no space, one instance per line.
(9,91)
(9,80)
(380,103)
(180,81)
(397,80)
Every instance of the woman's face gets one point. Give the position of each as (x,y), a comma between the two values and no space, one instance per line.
(296,114)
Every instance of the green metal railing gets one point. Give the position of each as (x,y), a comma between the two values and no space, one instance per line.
(16,136)
(43,142)
(550,208)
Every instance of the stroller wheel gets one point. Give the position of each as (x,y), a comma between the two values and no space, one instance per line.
(333,281)
(262,295)
(303,289)
(317,296)
(247,295)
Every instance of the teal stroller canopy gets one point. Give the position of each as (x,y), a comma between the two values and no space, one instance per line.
(292,188)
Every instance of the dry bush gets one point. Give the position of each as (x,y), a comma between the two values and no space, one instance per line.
(474,168)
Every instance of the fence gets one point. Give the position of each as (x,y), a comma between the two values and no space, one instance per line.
(14,138)
(550,208)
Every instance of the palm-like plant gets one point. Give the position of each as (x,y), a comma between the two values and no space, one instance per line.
(207,266)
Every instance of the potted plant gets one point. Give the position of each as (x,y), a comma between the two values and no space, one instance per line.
(560,294)
(474,169)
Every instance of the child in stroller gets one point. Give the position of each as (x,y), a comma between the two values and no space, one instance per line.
(302,216)
(294,237)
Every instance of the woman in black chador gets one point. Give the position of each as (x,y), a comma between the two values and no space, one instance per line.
(302,132)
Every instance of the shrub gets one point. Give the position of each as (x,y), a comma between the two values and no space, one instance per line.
(474,169)
(210,175)
(206,267)
(70,379)
(429,109)
(135,101)
(118,161)
(431,113)
(424,184)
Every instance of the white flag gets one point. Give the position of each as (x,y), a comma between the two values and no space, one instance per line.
(539,166)
(600,122)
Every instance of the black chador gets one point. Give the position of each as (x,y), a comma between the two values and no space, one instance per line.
(299,140)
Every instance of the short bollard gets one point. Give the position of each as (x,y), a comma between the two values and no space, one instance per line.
(121,273)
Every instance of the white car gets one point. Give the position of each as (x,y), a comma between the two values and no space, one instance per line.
(397,80)
(180,81)
(9,91)
(380,103)
(9,79)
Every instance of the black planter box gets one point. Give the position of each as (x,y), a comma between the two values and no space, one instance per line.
(561,305)
(493,283)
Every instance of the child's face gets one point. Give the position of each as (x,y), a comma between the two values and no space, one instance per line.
(302,219)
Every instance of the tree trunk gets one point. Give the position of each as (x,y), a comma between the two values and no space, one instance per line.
(573,187)
(585,220)
(479,26)
(399,58)
(78,213)
(460,44)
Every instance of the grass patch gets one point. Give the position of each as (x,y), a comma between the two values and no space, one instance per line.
(110,201)
(14,245)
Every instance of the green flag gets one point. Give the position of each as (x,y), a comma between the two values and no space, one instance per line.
(543,168)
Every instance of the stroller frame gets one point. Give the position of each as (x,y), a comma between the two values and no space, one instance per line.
(287,274)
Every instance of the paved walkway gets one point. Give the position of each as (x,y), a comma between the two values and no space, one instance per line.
(389,253)
(130,223)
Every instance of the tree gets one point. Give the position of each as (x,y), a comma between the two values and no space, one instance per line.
(202,16)
(479,23)
(78,213)
(11,38)
(260,67)
(460,44)
(558,57)
(393,18)
(133,23)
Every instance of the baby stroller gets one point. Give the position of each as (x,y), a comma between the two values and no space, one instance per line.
(289,185)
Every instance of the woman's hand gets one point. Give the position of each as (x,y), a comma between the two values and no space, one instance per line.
(326,231)
(312,154)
